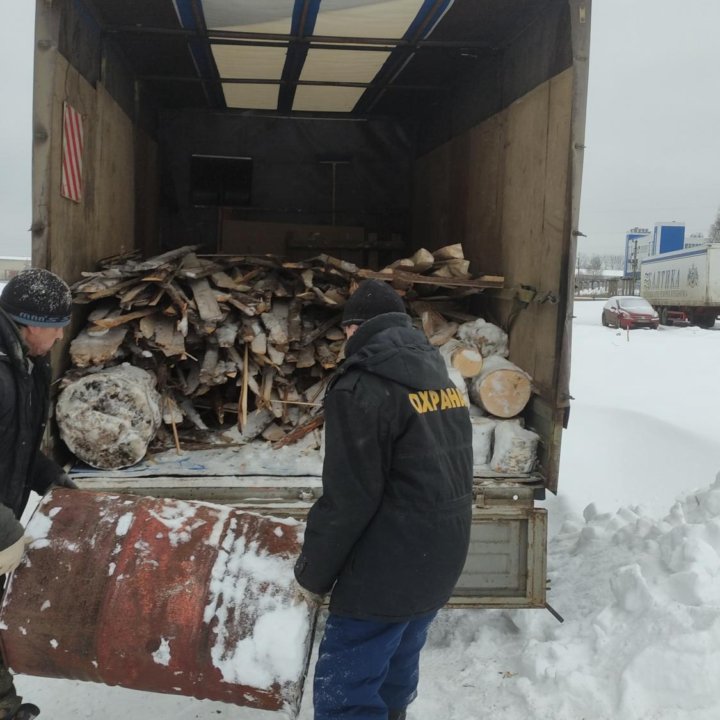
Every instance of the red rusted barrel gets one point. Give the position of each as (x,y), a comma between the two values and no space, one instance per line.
(160,595)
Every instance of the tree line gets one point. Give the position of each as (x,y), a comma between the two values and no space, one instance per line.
(715,229)
(598,263)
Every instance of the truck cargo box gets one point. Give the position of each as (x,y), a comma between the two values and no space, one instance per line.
(365,130)
(684,282)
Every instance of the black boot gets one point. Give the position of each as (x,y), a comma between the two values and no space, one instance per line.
(397,714)
(27,711)
(9,699)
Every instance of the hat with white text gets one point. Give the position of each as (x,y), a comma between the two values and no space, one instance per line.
(37,297)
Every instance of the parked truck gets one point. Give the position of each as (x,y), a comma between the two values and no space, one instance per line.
(362,129)
(684,285)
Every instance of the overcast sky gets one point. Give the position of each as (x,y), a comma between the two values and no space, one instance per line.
(653,124)
(16,60)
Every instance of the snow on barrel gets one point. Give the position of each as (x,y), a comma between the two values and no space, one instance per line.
(160,595)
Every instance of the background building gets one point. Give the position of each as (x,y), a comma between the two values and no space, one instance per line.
(638,245)
(11,266)
(668,236)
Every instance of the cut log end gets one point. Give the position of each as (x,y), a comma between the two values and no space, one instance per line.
(468,362)
(505,393)
(501,389)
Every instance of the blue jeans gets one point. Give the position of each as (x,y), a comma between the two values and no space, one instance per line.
(366,668)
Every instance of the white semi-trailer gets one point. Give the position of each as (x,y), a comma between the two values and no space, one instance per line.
(684,285)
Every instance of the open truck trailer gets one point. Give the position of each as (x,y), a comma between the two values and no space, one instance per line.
(362,128)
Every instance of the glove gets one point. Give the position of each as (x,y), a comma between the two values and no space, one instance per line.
(64,481)
(307,596)
(11,556)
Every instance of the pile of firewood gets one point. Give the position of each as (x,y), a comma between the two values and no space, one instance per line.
(251,335)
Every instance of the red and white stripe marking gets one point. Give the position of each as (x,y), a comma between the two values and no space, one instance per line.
(72,152)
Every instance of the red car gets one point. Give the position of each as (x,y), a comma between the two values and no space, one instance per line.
(628,312)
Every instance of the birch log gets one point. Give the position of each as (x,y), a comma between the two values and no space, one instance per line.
(501,389)
(108,418)
(468,361)
(489,339)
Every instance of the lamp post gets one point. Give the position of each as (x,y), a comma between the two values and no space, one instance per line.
(634,266)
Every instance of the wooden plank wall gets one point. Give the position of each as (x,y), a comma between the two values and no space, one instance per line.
(104,222)
(69,237)
(502,190)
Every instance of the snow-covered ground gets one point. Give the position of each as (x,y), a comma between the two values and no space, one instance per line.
(635,572)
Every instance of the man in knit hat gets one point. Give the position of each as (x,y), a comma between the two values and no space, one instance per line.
(389,535)
(34,310)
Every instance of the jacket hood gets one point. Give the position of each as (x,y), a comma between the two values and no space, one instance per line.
(389,347)
(11,344)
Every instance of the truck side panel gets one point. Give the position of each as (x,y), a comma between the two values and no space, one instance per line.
(119,159)
(104,222)
(683,278)
(501,189)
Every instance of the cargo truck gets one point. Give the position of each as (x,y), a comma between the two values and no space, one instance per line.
(684,285)
(359,128)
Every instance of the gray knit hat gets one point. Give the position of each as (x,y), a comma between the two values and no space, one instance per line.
(37,297)
(372,298)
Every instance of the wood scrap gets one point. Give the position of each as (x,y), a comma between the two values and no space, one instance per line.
(422,260)
(168,338)
(301,431)
(437,329)
(87,351)
(449,252)
(207,304)
(452,269)
(251,333)
(122,319)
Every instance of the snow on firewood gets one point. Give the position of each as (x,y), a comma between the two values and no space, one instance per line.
(108,418)
(483,429)
(515,449)
(489,339)
(229,336)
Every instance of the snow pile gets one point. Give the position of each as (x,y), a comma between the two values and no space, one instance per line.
(641,637)
(652,642)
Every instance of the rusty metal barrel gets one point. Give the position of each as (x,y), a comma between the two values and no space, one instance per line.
(160,595)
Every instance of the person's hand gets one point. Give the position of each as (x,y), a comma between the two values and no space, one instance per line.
(307,596)
(64,481)
(11,556)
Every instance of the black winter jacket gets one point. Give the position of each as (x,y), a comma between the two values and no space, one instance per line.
(24,402)
(390,533)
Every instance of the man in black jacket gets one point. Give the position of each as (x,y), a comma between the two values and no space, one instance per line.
(390,534)
(34,309)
